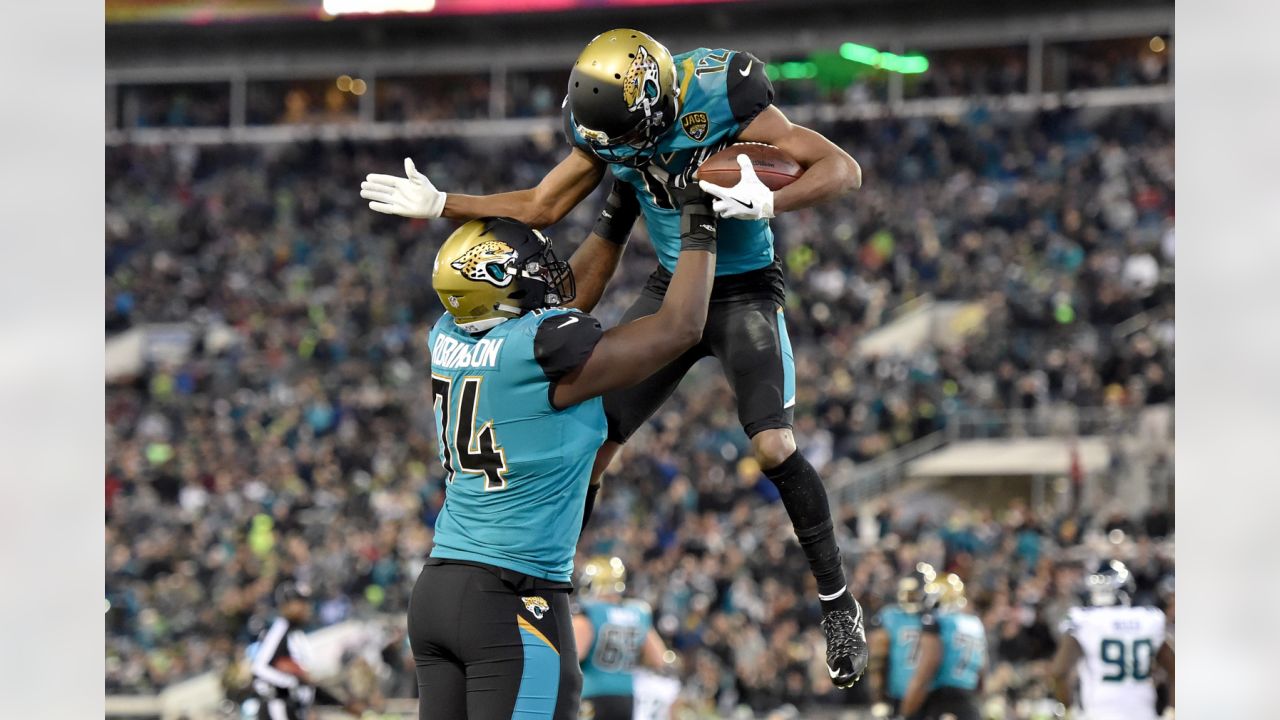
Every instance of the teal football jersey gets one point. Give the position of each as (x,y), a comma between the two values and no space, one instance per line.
(516,467)
(964,650)
(721,91)
(620,630)
(904,638)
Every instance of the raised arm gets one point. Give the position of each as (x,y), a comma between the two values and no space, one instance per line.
(629,353)
(571,180)
(596,259)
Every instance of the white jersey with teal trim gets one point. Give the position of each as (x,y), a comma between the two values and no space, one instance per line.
(516,467)
(1119,646)
(721,92)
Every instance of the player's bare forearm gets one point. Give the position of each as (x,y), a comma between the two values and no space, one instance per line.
(633,351)
(583,634)
(930,657)
(830,172)
(1164,658)
(879,646)
(571,180)
(654,653)
(594,263)
(1063,668)
(519,205)
(825,180)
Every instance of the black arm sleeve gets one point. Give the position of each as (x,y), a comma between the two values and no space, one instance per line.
(929,624)
(564,341)
(748,88)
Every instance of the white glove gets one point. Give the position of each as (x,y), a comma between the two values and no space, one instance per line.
(411,196)
(748,200)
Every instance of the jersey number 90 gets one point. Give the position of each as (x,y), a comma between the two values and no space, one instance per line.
(1126,661)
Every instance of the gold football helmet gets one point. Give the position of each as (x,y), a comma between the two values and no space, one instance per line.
(952,592)
(494,269)
(919,590)
(623,95)
(603,576)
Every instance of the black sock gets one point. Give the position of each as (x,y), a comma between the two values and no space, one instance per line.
(805,499)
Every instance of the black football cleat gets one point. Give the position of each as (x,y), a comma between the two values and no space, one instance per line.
(847,650)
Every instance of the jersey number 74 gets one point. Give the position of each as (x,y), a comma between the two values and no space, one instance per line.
(471,450)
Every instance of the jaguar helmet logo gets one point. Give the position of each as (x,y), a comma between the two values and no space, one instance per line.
(536,606)
(487,262)
(640,87)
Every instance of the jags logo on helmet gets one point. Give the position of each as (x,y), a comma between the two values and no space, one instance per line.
(640,87)
(536,606)
(487,262)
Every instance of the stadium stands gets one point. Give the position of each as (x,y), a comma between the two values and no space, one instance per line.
(303,443)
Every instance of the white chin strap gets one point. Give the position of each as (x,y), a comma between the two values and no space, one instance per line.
(480,326)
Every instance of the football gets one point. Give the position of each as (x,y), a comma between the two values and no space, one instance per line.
(775,168)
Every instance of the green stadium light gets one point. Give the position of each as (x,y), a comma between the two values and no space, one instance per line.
(860,53)
(832,69)
(906,64)
(909,64)
(798,70)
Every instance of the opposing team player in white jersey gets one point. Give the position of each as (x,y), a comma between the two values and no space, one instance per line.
(654,695)
(1110,648)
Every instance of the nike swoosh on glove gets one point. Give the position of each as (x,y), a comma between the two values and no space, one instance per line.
(411,196)
(748,200)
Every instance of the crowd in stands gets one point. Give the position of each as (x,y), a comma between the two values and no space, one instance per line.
(306,447)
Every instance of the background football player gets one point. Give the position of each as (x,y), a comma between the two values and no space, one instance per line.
(895,634)
(516,380)
(615,636)
(654,118)
(1109,649)
(950,659)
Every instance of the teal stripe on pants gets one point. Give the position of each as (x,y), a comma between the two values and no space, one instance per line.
(540,681)
(788,364)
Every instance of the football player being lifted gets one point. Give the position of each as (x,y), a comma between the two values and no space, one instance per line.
(653,118)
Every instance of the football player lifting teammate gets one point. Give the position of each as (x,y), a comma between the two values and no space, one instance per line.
(653,119)
(517,372)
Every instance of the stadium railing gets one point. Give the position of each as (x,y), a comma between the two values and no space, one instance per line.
(1145,431)
(523,127)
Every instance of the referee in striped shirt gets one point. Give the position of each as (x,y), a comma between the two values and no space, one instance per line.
(281,682)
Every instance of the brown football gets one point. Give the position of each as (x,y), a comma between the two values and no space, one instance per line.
(775,168)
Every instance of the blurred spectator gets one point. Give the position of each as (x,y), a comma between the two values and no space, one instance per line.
(307,447)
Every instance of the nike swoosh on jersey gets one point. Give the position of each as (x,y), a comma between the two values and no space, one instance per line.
(568,322)
(747,70)
(708,228)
